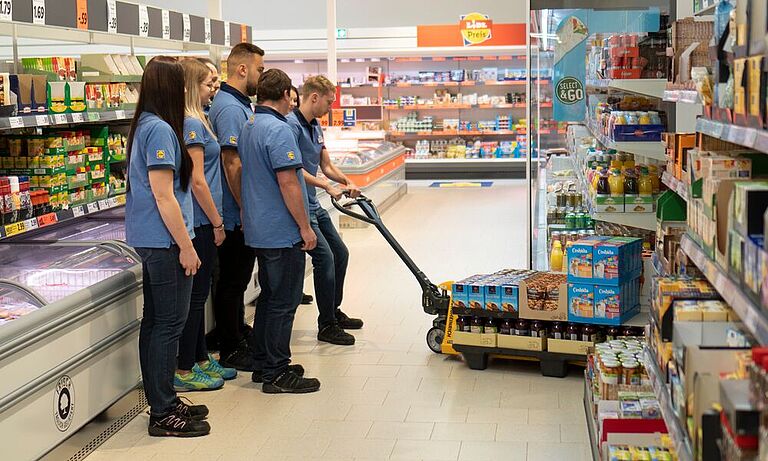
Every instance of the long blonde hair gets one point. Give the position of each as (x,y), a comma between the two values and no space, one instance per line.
(195,73)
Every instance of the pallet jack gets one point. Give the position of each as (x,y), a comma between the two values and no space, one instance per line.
(435,300)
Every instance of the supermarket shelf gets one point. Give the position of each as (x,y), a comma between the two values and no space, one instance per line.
(46,120)
(658,265)
(749,312)
(467,160)
(110,78)
(22,227)
(676,185)
(708,10)
(467,83)
(682,96)
(650,149)
(480,168)
(589,412)
(437,134)
(461,106)
(674,426)
(652,87)
(741,135)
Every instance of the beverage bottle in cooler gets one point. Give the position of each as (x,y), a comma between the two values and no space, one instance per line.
(645,184)
(556,257)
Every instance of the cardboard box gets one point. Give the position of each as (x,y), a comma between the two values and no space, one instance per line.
(580,266)
(476,295)
(581,301)
(475,339)
(493,297)
(523,343)
(460,295)
(608,203)
(564,346)
(533,311)
(639,203)
(739,90)
(510,298)
(755,76)
(750,202)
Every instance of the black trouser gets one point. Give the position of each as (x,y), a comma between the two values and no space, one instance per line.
(166,303)
(329,260)
(192,342)
(235,272)
(281,277)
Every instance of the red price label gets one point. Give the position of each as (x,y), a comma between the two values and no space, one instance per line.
(47,219)
(82,14)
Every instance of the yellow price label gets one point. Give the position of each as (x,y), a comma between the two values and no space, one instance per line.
(14,229)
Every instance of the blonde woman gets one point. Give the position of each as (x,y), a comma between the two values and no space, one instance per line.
(197,369)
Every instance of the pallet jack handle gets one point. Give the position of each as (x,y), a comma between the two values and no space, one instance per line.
(434,300)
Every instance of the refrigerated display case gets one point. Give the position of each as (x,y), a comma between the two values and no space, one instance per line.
(68,338)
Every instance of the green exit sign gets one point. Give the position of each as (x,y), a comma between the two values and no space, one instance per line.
(341,33)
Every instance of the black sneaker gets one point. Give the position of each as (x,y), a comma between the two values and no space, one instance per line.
(306,299)
(346,322)
(246,330)
(291,383)
(335,335)
(193,412)
(258,376)
(241,359)
(177,425)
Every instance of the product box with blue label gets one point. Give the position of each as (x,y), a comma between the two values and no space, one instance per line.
(617,260)
(510,298)
(493,297)
(611,305)
(580,269)
(476,295)
(459,296)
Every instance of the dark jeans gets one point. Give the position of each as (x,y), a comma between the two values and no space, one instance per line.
(329,262)
(281,277)
(235,273)
(192,343)
(167,292)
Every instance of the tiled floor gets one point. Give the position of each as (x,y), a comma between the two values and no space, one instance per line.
(389,397)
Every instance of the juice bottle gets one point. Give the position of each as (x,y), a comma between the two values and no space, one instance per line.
(616,183)
(596,176)
(630,182)
(628,165)
(556,257)
(603,186)
(653,172)
(477,325)
(645,183)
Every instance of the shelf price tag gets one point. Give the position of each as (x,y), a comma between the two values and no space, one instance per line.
(120,200)
(94,116)
(166,24)
(187,28)
(16,122)
(30,224)
(112,16)
(14,229)
(92,207)
(60,119)
(82,14)
(78,211)
(6,10)
(227,34)
(119,114)
(38,12)
(77,117)
(42,120)
(104,204)
(207,31)
(47,219)
(143,21)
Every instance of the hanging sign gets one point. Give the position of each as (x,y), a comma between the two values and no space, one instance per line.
(350,117)
(243,33)
(475,28)
(112,16)
(143,21)
(166,24)
(227,34)
(207,23)
(82,14)
(187,28)
(6,10)
(38,12)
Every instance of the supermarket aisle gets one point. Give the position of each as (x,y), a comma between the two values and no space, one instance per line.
(389,397)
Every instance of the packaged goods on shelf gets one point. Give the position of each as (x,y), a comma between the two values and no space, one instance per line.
(110,65)
(617,124)
(628,56)
(632,452)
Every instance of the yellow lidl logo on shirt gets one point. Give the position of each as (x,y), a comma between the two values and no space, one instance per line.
(192,135)
(160,154)
(233,139)
(291,155)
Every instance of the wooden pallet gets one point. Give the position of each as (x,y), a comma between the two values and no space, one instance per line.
(552,364)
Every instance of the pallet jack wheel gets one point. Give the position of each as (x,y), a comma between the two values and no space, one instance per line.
(435,339)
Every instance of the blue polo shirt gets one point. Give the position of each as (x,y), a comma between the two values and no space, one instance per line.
(268,146)
(230,110)
(309,136)
(155,146)
(196,134)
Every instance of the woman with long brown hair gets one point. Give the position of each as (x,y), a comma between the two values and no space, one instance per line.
(159,225)
(197,369)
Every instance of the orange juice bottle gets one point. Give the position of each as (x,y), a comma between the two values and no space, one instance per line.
(616,182)
(645,183)
(556,257)
(653,172)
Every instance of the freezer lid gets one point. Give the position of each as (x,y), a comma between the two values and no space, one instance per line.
(17,301)
(88,230)
(55,271)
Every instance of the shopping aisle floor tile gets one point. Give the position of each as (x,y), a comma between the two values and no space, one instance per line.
(388,397)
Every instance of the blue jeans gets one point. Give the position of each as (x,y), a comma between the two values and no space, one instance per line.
(281,277)
(329,262)
(167,292)
(192,347)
